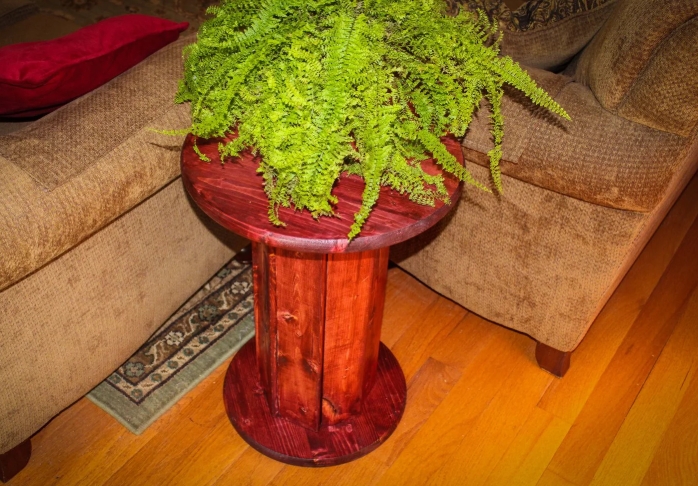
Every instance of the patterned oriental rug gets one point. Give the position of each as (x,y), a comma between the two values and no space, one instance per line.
(213,324)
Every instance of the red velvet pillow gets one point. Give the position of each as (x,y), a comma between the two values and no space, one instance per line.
(38,77)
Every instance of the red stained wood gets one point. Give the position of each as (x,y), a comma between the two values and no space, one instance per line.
(299,291)
(355,295)
(322,389)
(552,360)
(285,441)
(232,194)
(265,329)
(14,460)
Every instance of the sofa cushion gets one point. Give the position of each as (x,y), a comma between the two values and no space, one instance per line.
(37,77)
(69,174)
(544,33)
(643,64)
(598,157)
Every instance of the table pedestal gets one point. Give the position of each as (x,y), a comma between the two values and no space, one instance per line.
(317,387)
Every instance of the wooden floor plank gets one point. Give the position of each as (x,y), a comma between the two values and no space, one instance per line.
(209,457)
(299,476)
(598,422)
(444,431)
(676,458)
(465,342)
(53,456)
(632,451)
(366,472)
(425,392)
(189,431)
(427,389)
(549,478)
(418,340)
(405,305)
(101,457)
(490,435)
(525,460)
(250,469)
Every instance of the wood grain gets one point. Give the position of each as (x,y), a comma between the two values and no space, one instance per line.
(676,458)
(483,378)
(202,431)
(265,327)
(487,437)
(633,448)
(425,392)
(354,314)
(250,469)
(530,452)
(232,194)
(248,411)
(299,293)
(404,300)
(595,428)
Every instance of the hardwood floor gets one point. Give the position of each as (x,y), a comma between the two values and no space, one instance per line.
(479,409)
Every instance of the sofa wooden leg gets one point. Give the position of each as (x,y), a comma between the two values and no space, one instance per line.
(14,460)
(244,255)
(553,360)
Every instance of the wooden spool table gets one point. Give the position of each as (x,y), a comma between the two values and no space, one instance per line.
(317,387)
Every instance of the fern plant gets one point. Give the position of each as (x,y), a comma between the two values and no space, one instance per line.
(320,87)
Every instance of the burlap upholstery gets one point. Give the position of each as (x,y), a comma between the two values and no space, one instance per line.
(666,94)
(518,113)
(65,328)
(98,122)
(551,46)
(641,64)
(61,185)
(598,157)
(533,260)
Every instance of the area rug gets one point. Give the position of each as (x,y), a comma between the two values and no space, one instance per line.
(204,332)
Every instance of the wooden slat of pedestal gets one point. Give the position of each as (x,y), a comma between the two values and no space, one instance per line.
(355,294)
(300,315)
(264,333)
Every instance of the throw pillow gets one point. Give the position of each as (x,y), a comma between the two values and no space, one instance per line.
(543,34)
(38,77)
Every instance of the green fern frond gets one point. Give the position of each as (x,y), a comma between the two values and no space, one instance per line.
(321,87)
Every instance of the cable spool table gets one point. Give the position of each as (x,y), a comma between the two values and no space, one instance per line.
(316,387)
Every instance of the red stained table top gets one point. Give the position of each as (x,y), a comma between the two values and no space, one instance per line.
(232,194)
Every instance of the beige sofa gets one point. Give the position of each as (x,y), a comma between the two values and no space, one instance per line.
(580,199)
(99,243)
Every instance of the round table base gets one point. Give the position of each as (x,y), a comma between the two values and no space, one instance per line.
(278,438)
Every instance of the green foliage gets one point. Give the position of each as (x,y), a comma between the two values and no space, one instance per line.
(319,87)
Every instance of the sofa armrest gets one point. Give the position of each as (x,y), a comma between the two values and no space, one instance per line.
(69,174)
(598,157)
